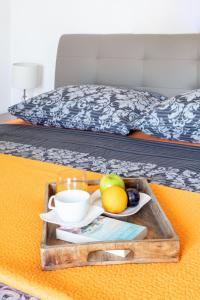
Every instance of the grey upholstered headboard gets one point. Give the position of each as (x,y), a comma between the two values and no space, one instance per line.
(165,63)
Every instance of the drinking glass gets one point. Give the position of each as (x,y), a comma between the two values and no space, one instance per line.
(67,181)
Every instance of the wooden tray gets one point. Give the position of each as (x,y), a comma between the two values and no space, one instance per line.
(161,245)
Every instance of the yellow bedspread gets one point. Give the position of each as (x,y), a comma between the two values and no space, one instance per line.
(22,190)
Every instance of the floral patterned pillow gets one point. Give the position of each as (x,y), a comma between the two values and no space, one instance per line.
(177,118)
(88,107)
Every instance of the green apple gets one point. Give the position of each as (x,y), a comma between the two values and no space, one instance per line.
(111,180)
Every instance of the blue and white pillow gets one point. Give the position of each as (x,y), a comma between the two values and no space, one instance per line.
(88,107)
(177,118)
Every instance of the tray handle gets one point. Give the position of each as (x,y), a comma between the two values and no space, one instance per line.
(85,250)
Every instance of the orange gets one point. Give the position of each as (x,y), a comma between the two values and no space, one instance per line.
(114,199)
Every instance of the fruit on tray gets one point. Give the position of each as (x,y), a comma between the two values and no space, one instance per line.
(133,197)
(114,199)
(111,180)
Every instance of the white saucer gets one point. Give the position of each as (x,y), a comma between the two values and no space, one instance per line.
(93,213)
(95,199)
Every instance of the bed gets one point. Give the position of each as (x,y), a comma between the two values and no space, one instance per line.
(31,156)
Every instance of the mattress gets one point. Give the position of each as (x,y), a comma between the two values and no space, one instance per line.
(23,179)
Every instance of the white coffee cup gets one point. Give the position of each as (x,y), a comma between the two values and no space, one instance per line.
(71,205)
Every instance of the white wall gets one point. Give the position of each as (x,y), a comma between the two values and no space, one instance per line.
(36,25)
(4,55)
